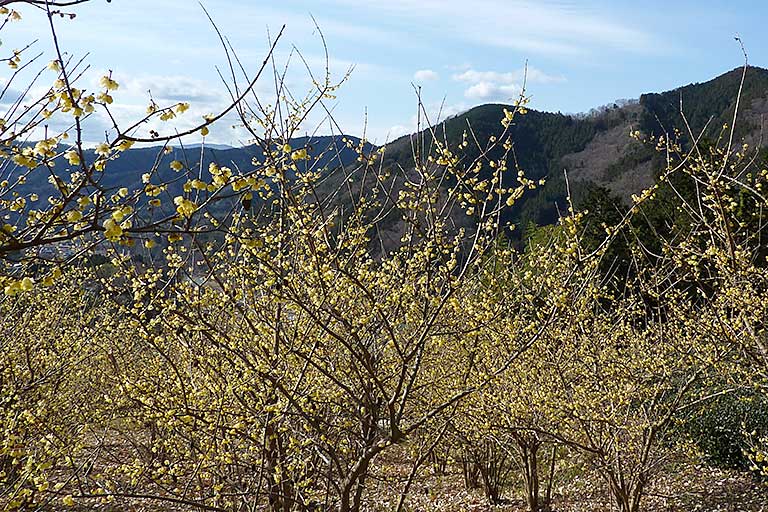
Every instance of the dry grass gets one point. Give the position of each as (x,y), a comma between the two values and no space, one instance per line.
(686,487)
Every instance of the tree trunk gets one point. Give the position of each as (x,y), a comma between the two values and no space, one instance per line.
(551,479)
(470,471)
(280,492)
(493,470)
(626,495)
(354,484)
(531,477)
(528,448)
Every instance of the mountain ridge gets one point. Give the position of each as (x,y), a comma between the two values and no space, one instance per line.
(593,150)
(597,149)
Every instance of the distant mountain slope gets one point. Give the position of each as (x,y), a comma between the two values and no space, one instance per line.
(541,140)
(598,149)
(591,149)
(326,152)
(625,166)
(708,105)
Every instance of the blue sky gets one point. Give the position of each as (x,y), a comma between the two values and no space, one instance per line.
(580,54)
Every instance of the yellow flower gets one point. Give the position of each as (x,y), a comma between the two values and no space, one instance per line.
(176,165)
(122,213)
(125,145)
(74,216)
(103,97)
(27,284)
(72,157)
(184,207)
(300,154)
(102,149)
(112,230)
(198,184)
(54,66)
(109,84)
(25,160)
(53,276)
(153,190)
(204,131)
(68,500)
(149,244)
(182,107)
(239,184)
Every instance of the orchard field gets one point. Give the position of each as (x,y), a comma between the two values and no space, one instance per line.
(298,333)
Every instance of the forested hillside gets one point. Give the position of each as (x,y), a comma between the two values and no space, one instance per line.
(598,149)
(594,150)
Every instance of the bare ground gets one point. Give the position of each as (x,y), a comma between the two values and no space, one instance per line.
(686,487)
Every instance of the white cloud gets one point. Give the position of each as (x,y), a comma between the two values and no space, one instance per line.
(547,27)
(129,106)
(494,85)
(424,75)
(397,131)
(171,88)
(531,75)
(489,91)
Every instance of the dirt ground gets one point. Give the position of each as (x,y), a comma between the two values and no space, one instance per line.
(687,487)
